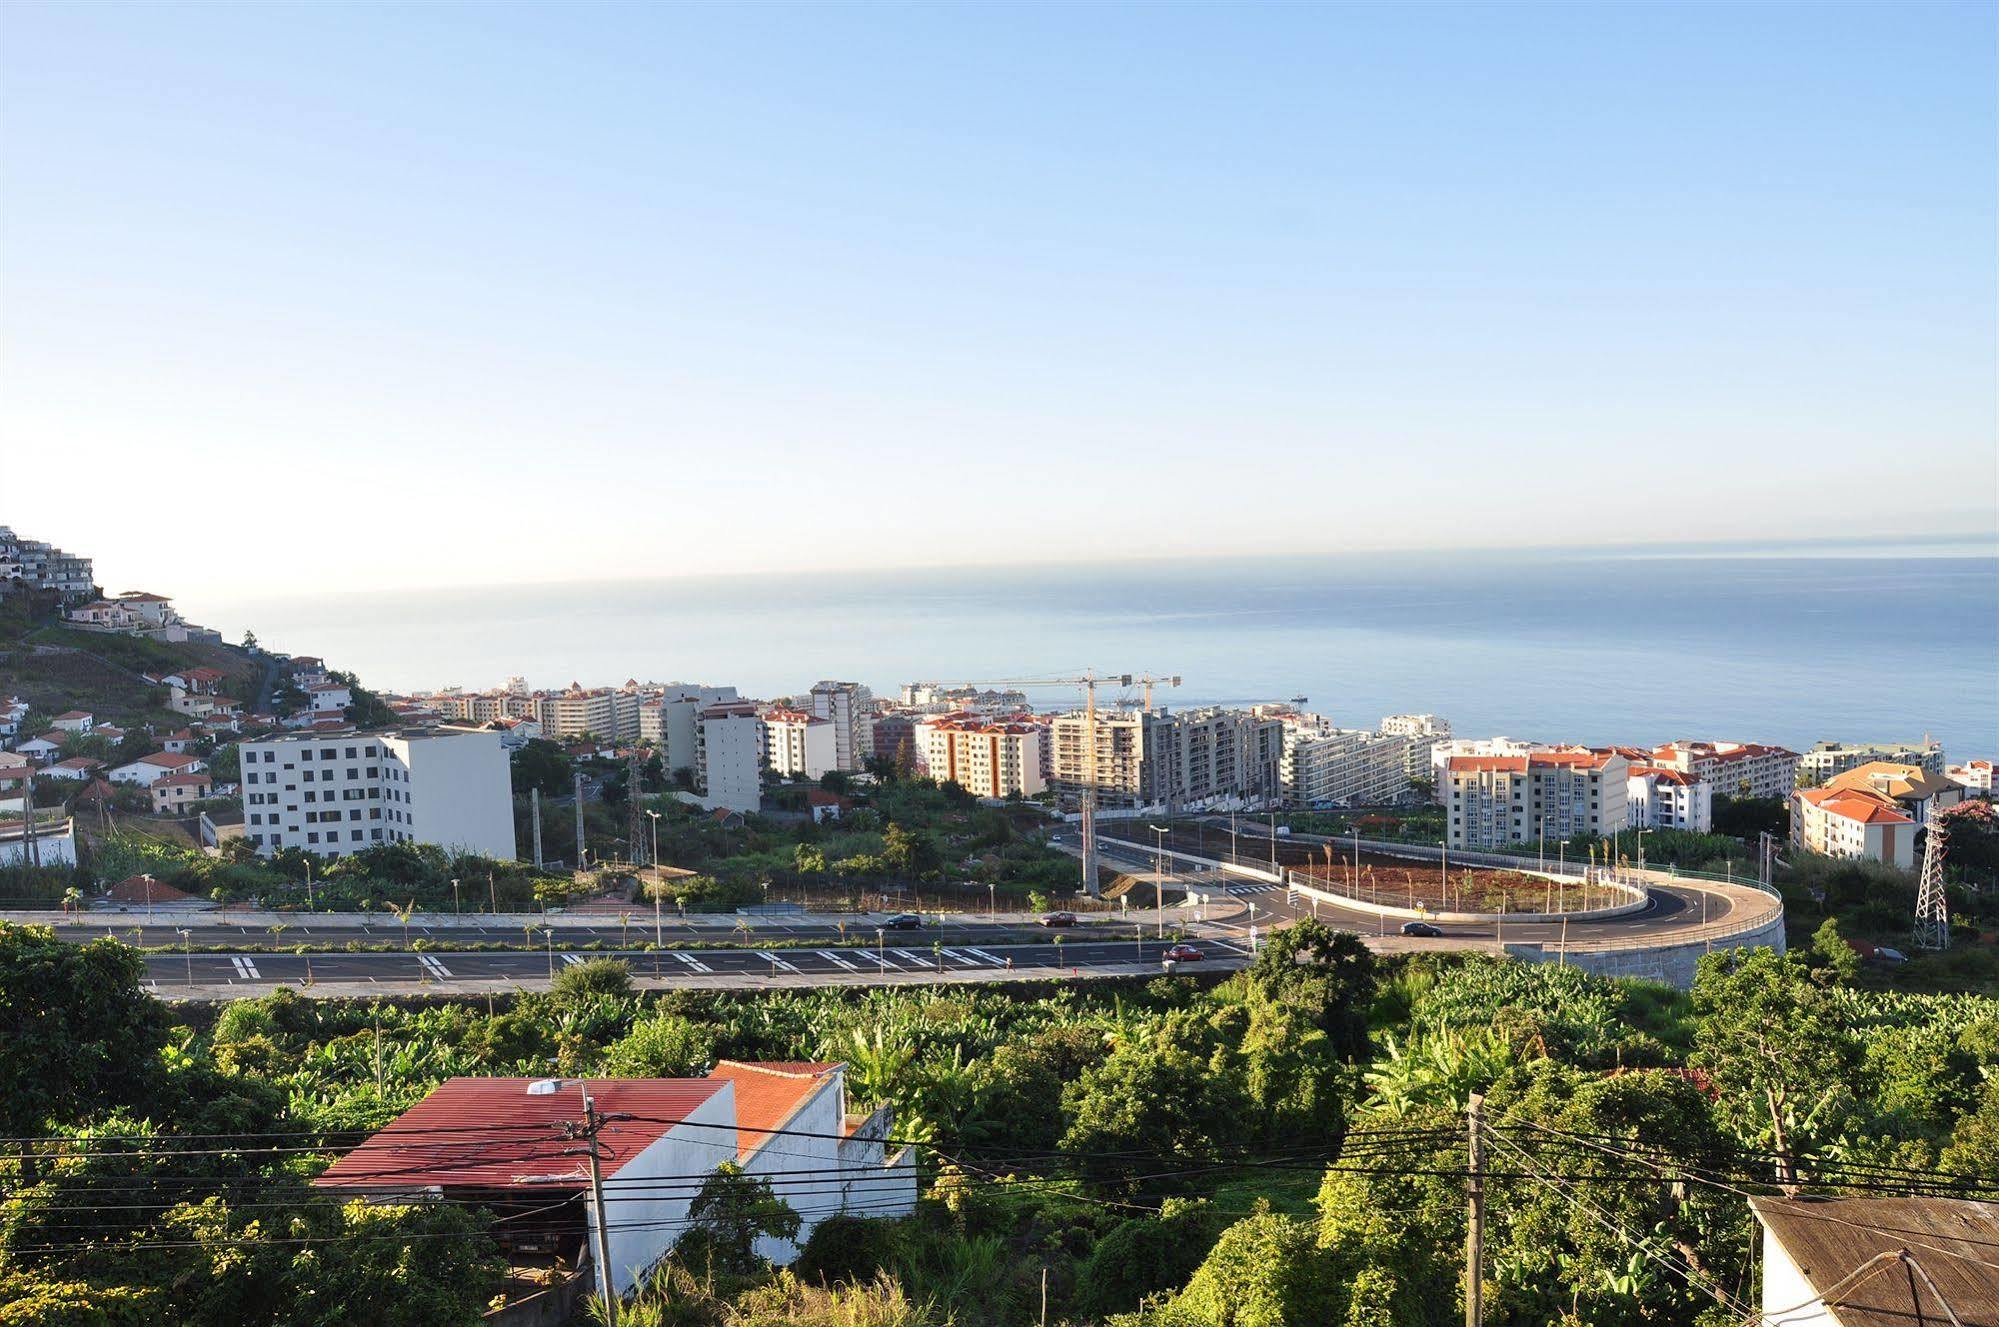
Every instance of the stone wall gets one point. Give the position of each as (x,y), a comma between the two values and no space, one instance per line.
(1670,964)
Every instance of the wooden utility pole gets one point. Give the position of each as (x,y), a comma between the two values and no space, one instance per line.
(593,1123)
(1475,1231)
(534,812)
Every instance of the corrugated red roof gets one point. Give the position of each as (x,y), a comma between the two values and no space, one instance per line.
(490,1133)
(769,1093)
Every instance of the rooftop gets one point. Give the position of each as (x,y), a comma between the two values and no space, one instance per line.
(1955,1241)
(493,1133)
(769,1093)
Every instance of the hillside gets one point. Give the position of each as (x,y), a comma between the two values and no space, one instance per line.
(56,668)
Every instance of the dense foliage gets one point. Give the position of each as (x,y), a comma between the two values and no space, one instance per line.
(1286,1145)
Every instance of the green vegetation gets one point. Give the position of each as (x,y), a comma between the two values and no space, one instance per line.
(1285,1145)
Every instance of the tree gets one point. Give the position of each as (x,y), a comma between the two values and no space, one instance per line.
(587,980)
(1146,1255)
(1837,959)
(1266,1270)
(542,765)
(80,1032)
(663,1046)
(908,854)
(730,1214)
(1328,975)
(249,640)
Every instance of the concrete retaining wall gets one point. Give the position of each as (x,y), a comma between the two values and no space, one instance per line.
(1635,901)
(1670,964)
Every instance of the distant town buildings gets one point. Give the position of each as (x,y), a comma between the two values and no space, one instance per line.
(1172,760)
(1826,759)
(37,565)
(1974,776)
(1872,811)
(333,795)
(1734,769)
(1661,798)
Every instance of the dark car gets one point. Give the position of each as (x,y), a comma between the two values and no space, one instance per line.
(1060,919)
(1421,928)
(1184,954)
(902,921)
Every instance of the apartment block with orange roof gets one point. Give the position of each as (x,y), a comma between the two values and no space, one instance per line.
(1846,822)
(985,757)
(1497,801)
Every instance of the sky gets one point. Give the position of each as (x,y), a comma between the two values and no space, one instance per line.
(331,298)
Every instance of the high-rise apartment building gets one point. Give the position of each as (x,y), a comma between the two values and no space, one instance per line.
(987,757)
(1169,759)
(728,755)
(851,708)
(1827,759)
(334,795)
(796,744)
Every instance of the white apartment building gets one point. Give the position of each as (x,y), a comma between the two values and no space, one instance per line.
(671,720)
(851,707)
(796,744)
(1495,800)
(1974,776)
(1827,759)
(1658,798)
(986,757)
(1449,748)
(1199,756)
(44,566)
(1415,725)
(1352,767)
(577,711)
(729,755)
(1735,769)
(338,794)
(1849,822)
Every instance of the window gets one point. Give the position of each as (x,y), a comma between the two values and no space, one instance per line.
(312,837)
(350,753)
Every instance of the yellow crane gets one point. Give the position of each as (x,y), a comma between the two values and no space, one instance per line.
(1089,681)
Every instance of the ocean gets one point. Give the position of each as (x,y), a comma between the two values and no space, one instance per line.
(1592,647)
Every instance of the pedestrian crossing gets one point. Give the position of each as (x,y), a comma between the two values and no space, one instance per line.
(1244,891)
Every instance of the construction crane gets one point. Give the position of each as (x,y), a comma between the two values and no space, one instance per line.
(1932,911)
(1090,680)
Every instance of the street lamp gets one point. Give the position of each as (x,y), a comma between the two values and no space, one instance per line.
(992,902)
(457,907)
(655,841)
(187,941)
(548,933)
(1641,847)
(1159,833)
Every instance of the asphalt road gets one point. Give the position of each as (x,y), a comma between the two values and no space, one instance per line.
(167,973)
(307,929)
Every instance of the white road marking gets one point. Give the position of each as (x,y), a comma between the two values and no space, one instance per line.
(918,959)
(573,960)
(957,957)
(980,953)
(837,961)
(692,961)
(433,966)
(244,967)
(775,961)
(880,956)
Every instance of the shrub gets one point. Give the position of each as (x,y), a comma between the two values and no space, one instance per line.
(597,976)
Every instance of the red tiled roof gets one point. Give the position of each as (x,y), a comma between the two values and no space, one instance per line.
(139,889)
(1850,804)
(1487,764)
(769,1093)
(72,714)
(169,759)
(490,1133)
(184,781)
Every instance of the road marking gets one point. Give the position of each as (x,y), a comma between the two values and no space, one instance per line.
(980,953)
(918,959)
(692,962)
(433,966)
(957,957)
(244,967)
(573,960)
(837,961)
(881,956)
(775,961)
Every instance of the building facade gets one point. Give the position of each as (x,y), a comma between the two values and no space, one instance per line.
(1827,759)
(728,756)
(334,795)
(1659,798)
(851,709)
(985,757)
(1735,769)
(796,744)
(1496,801)
(1838,822)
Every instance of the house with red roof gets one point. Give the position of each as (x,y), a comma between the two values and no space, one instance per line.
(1853,822)
(146,769)
(508,1145)
(75,767)
(74,721)
(43,748)
(174,794)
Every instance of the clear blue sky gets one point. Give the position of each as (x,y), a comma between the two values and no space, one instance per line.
(445,293)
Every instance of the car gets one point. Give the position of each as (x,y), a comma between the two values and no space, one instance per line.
(1184,954)
(1422,928)
(1883,954)
(1060,919)
(902,921)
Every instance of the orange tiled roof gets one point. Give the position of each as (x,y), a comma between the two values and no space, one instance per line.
(769,1093)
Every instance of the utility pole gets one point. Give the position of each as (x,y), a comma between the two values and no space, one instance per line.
(1089,803)
(581,851)
(1475,1232)
(534,805)
(634,810)
(593,1124)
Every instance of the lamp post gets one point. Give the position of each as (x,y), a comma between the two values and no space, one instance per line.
(992,902)
(548,933)
(1159,877)
(655,841)
(457,904)
(187,943)
(1641,848)
(1541,844)
(881,949)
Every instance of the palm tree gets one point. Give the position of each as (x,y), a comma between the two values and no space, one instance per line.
(403,915)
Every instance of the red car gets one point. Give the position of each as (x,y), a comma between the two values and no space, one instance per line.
(1060,919)
(1184,954)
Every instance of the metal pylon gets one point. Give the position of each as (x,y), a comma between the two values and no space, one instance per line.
(1932,913)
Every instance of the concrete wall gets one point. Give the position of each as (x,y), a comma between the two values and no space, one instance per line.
(461,795)
(646,1218)
(802,1166)
(1784,1287)
(1671,964)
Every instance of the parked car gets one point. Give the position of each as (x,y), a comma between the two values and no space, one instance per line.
(1060,919)
(902,921)
(1883,954)
(1422,928)
(1184,954)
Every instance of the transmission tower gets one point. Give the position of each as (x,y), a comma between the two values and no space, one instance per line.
(1932,913)
(635,838)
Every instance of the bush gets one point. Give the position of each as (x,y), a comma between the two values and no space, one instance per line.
(663,1046)
(1146,1255)
(846,1248)
(598,976)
